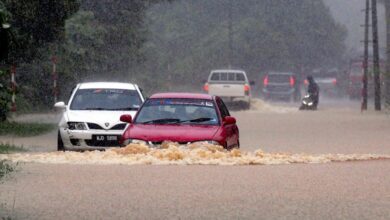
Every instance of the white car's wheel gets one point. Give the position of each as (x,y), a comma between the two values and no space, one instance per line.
(60,143)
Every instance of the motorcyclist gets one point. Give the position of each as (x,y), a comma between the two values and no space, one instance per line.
(313,90)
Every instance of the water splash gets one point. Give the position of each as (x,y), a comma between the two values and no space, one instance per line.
(259,105)
(174,154)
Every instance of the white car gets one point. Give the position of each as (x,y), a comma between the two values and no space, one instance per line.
(230,85)
(91,120)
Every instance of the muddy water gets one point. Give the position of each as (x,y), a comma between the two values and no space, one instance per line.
(174,154)
(259,105)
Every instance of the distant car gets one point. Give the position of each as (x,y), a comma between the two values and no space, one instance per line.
(91,120)
(281,85)
(184,118)
(355,79)
(327,80)
(230,85)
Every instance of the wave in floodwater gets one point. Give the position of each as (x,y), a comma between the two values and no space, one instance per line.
(261,106)
(174,154)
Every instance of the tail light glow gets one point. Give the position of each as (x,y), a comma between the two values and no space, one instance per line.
(306,82)
(206,87)
(246,88)
(292,81)
(334,81)
(266,81)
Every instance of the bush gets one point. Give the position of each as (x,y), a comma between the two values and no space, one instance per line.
(5,168)
(5,97)
(24,129)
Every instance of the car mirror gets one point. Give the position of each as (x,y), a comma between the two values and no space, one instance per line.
(252,83)
(126,118)
(60,105)
(229,120)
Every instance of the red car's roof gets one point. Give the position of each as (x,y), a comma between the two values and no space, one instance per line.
(182,96)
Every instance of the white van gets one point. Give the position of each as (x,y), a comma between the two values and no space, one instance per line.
(231,85)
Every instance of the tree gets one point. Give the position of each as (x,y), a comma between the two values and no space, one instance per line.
(189,38)
(36,23)
(4,33)
(104,41)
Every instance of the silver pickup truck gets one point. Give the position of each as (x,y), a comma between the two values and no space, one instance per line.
(230,85)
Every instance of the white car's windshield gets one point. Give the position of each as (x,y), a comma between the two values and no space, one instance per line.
(106,99)
(178,111)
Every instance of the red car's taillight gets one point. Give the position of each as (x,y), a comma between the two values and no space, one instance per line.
(334,81)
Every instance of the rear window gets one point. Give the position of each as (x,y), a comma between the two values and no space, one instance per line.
(327,75)
(274,78)
(221,76)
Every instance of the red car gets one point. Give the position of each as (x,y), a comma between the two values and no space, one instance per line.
(184,118)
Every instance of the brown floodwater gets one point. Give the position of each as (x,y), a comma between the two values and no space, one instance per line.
(174,154)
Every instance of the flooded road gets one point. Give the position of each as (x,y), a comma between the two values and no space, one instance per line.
(92,185)
(175,154)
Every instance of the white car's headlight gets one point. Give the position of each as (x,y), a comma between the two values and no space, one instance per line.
(77,126)
(207,142)
(134,141)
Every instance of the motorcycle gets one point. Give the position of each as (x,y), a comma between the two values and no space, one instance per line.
(308,103)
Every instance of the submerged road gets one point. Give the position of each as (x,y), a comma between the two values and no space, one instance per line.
(344,190)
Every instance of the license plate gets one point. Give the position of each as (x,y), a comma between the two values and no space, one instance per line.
(105,137)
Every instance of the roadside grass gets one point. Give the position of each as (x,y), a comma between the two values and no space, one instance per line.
(6,168)
(6,148)
(25,129)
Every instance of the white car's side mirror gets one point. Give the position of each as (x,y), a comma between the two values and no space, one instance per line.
(60,105)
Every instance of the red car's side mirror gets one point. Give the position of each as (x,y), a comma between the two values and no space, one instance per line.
(229,120)
(126,118)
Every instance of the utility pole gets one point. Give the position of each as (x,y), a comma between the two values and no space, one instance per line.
(387,75)
(55,78)
(365,61)
(230,33)
(375,48)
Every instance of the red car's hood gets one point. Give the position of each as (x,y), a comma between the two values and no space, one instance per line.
(175,133)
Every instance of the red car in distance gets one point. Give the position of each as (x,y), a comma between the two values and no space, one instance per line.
(184,118)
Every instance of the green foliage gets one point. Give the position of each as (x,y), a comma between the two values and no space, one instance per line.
(188,38)
(163,43)
(5,96)
(83,50)
(7,148)
(4,35)
(35,23)
(24,129)
(102,41)
(5,168)
(37,27)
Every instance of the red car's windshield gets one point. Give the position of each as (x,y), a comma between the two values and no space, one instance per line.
(178,111)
